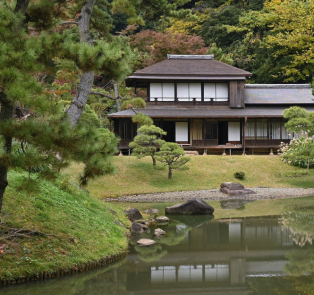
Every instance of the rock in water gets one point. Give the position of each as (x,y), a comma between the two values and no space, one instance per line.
(133,214)
(159,232)
(136,229)
(162,219)
(195,206)
(145,242)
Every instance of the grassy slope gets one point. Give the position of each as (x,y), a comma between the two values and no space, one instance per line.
(81,229)
(206,172)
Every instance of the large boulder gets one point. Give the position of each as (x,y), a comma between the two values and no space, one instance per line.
(133,214)
(194,206)
(136,229)
(232,186)
(235,189)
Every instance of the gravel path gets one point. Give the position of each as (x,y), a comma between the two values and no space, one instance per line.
(215,195)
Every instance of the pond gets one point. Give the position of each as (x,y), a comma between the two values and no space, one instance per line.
(203,255)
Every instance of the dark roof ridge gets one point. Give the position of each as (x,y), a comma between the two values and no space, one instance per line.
(283,86)
(190,56)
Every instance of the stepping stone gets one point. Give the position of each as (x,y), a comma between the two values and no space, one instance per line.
(159,232)
(146,242)
(162,219)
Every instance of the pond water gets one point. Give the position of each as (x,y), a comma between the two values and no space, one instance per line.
(202,255)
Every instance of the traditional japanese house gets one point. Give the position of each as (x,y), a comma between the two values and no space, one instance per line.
(205,105)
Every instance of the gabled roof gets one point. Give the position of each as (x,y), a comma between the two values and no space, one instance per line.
(180,67)
(278,94)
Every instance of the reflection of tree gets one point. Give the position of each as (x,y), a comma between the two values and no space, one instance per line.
(175,234)
(300,262)
(150,253)
(282,285)
(301,225)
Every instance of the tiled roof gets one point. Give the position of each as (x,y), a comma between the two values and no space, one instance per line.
(205,112)
(192,67)
(278,94)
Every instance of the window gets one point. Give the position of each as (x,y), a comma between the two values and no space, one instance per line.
(188,91)
(261,129)
(250,129)
(162,91)
(127,129)
(197,129)
(274,129)
(216,91)
(211,130)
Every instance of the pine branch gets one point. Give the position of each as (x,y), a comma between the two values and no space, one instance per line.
(70,22)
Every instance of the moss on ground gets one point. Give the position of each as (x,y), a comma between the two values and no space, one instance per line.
(77,228)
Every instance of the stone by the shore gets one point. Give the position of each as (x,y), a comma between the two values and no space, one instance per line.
(146,242)
(232,186)
(235,189)
(136,229)
(159,232)
(194,206)
(151,211)
(162,219)
(133,214)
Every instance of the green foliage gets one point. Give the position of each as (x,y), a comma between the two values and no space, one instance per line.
(239,175)
(299,120)
(142,119)
(300,152)
(171,154)
(147,142)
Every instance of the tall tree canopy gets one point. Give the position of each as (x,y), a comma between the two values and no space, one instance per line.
(34,34)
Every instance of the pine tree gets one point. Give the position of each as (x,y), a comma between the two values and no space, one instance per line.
(171,154)
(147,142)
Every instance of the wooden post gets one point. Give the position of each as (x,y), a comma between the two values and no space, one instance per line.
(175,92)
(245,119)
(271,152)
(224,152)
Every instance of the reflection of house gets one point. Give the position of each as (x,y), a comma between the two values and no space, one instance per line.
(217,256)
(204,104)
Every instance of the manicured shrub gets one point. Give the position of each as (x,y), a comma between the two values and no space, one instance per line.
(239,175)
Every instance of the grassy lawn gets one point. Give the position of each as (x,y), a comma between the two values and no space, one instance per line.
(135,176)
(77,227)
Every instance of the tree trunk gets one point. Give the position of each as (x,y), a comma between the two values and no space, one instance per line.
(170,173)
(154,161)
(116,94)
(84,88)
(6,114)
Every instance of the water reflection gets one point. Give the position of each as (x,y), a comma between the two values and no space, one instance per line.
(234,204)
(201,255)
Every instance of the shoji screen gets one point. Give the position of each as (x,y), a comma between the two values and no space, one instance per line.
(195,91)
(233,131)
(183,91)
(182,132)
(209,91)
(221,92)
